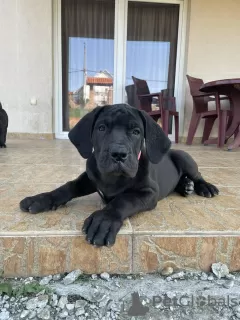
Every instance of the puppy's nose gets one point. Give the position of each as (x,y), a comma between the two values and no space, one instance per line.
(119,156)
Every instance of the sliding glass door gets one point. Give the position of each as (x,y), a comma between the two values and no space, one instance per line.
(152,32)
(87,57)
(106,42)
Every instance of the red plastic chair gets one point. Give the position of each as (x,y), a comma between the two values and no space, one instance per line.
(166,105)
(200,111)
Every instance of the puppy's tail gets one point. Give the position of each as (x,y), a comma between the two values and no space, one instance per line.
(0,105)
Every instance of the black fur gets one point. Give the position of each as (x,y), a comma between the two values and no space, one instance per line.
(3,127)
(112,138)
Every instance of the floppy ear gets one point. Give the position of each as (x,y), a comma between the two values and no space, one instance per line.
(157,143)
(81,134)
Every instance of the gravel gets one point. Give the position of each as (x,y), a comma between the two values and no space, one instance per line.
(168,295)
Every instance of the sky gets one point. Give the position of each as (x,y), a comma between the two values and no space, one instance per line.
(145,60)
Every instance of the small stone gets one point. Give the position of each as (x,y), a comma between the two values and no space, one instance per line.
(204,276)
(99,296)
(72,277)
(129,277)
(69,306)
(4,315)
(24,299)
(228,284)
(230,276)
(169,279)
(220,270)
(40,293)
(56,277)
(80,304)
(63,314)
(72,317)
(184,301)
(12,299)
(80,312)
(103,303)
(105,276)
(236,311)
(167,271)
(62,302)
(171,308)
(170,295)
(44,314)
(42,301)
(178,275)
(94,276)
(32,303)
(54,300)
(45,280)
(32,314)
(24,314)
(210,278)
(54,297)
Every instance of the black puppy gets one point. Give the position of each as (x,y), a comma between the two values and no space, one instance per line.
(129,164)
(3,126)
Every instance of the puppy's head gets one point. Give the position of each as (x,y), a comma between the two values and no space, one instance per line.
(116,134)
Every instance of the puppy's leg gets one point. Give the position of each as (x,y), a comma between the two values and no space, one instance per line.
(102,226)
(82,186)
(188,167)
(185,186)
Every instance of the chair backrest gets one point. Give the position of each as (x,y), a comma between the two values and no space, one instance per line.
(200,104)
(142,88)
(195,84)
(132,98)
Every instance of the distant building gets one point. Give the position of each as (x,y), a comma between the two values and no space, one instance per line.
(98,91)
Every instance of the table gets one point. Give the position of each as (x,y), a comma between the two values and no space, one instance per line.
(230,88)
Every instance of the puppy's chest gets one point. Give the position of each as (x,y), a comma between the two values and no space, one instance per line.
(108,193)
(105,198)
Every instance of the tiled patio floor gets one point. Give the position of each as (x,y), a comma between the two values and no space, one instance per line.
(188,232)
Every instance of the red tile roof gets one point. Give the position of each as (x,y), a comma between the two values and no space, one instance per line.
(95,80)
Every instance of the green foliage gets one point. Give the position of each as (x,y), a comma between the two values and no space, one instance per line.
(27,289)
(6,288)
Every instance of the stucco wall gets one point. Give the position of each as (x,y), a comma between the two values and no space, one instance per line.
(213,44)
(26,56)
(26,64)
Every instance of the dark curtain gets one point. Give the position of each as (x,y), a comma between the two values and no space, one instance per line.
(155,22)
(83,18)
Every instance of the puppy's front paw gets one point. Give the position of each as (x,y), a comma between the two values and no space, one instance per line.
(101,227)
(205,189)
(39,203)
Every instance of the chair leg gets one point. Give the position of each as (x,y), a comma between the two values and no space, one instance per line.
(176,122)
(165,121)
(209,122)
(222,126)
(193,127)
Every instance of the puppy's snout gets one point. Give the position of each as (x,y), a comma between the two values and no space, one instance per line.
(119,154)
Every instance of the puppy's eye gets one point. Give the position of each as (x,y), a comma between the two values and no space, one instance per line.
(136,132)
(102,127)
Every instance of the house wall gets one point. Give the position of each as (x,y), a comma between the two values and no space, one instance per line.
(26,56)
(213,45)
(26,64)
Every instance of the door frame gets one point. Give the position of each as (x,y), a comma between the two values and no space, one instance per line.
(120,42)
